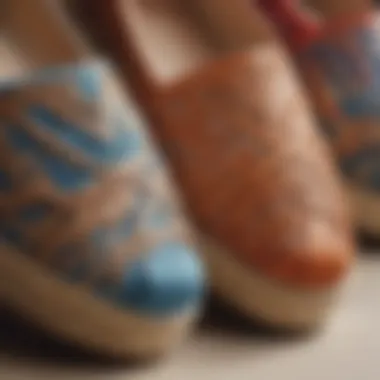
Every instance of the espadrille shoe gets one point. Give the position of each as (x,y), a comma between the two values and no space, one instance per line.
(94,247)
(339,57)
(232,119)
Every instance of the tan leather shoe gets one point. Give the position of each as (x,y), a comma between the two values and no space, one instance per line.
(234,123)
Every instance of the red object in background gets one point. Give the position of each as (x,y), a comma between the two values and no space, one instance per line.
(298,26)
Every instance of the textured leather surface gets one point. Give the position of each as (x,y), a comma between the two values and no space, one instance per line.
(254,171)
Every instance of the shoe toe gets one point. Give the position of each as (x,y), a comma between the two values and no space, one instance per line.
(167,280)
(319,259)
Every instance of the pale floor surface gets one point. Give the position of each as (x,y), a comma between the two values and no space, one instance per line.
(348,349)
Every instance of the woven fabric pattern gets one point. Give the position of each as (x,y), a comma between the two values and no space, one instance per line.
(83,191)
(343,72)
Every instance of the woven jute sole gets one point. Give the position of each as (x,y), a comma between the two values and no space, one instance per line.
(262,298)
(73,314)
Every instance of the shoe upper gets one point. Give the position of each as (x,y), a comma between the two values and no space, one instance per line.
(84,193)
(344,78)
(256,173)
(246,152)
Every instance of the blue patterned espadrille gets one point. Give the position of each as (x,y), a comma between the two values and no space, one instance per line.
(94,245)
